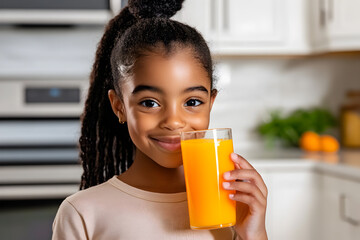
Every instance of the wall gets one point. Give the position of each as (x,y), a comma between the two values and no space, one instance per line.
(251,87)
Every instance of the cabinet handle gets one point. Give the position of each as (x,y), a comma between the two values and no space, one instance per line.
(213,17)
(343,215)
(331,10)
(322,13)
(225,14)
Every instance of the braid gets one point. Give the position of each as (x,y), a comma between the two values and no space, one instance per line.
(101,132)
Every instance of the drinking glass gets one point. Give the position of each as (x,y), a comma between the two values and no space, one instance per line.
(206,157)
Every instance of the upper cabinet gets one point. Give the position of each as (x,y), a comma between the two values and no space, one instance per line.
(201,15)
(343,24)
(260,27)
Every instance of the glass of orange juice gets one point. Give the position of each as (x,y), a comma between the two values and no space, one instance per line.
(206,157)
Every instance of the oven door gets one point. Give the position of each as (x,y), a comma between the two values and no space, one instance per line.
(39,168)
(30,196)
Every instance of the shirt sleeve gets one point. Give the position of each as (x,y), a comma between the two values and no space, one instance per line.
(68,223)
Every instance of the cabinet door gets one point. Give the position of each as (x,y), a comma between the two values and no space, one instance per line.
(266,176)
(262,27)
(340,209)
(199,14)
(344,24)
(294,205)
(350,207)
(249,24)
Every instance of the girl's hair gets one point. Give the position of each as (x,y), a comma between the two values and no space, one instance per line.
(141,28)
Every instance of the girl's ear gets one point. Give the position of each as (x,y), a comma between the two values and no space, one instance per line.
(213,95)
(117,105)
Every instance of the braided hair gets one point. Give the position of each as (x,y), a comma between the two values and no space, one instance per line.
(142,27)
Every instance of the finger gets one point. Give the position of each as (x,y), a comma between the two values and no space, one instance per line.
(247,175)
(242,174)
(251,201)
(247,188)
(242,162)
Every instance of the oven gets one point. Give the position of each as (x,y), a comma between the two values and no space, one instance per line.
(39,166)
(47,51)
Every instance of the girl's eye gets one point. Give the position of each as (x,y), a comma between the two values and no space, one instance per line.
(193,103)
(149,104)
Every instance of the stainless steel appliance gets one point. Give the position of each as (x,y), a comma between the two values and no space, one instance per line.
(58,12)
(39,130)
(47,49)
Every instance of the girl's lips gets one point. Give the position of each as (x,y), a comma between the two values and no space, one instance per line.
(171,144)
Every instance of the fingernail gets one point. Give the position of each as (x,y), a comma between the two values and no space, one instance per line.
(227,176)
(226,185)
(231,195)
(234,156)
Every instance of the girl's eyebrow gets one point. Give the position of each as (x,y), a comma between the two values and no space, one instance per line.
(197,88)
(146,88)
(141,88)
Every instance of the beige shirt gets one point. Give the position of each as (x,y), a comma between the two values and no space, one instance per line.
(115,210)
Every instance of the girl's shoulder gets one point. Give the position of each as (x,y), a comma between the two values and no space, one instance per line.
(89,198)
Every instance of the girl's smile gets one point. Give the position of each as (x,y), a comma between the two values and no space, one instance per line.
(168,143)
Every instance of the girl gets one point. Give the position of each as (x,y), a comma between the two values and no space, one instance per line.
(152,79)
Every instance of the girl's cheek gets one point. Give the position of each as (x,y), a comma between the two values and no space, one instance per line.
(199,122)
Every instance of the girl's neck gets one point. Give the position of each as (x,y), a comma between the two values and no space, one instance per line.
(147,175)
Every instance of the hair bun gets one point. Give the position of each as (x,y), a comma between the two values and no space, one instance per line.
(154,8)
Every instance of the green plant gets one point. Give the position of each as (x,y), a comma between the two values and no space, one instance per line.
(288,129)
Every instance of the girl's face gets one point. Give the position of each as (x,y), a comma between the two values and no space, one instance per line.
(165,96)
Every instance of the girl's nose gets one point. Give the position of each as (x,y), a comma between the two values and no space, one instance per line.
(173,119)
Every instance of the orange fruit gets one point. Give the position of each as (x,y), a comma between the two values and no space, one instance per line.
(329,143)
(310,141)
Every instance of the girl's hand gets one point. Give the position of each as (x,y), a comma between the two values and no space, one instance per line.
(251,197)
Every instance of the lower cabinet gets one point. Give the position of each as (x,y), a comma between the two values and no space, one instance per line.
(293,211)
(340,208)
(306,204)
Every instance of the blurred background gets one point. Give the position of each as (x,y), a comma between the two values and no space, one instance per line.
(288,75)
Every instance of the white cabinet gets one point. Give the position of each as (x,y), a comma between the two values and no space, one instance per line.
(307,203)
(200,15)
(293,207)
(340,209)
(335,25)
(249,27)
(343,24)
(261,27)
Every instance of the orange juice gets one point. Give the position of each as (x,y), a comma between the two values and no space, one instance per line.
(205,161)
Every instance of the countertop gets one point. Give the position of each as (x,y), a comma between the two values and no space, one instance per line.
(344,164)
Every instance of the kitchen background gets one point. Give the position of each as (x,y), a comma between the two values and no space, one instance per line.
(269,54)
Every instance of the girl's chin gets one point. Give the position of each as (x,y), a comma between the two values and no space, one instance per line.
(171,163)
